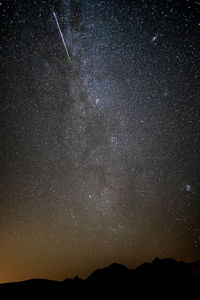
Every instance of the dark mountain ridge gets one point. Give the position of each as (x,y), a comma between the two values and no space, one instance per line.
(165,277)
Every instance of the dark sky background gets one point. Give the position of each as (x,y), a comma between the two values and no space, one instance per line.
(99,158)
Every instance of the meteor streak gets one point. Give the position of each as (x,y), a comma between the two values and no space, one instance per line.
(61,34)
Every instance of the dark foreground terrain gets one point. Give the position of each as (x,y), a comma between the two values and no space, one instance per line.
(164,278)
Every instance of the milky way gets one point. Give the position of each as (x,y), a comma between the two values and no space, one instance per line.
(99,154)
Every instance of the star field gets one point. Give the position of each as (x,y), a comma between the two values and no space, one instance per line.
(99,157)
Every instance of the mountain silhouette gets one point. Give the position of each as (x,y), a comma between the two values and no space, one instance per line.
(163,278)
(115,271)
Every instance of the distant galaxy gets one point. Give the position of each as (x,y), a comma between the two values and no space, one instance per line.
(99,128)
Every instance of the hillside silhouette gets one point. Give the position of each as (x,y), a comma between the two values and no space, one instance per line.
(163,278)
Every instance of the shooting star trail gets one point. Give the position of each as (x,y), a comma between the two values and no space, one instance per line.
(61,34)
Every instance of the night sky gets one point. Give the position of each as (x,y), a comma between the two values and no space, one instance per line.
(99,156)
